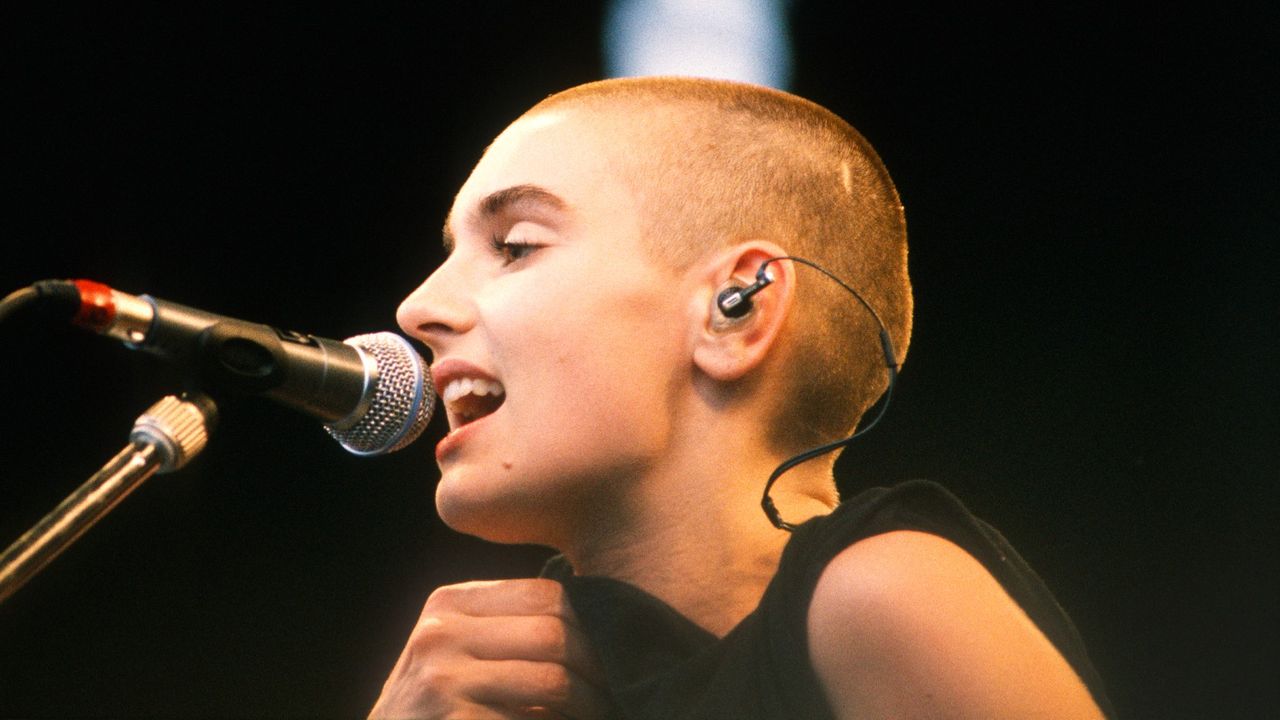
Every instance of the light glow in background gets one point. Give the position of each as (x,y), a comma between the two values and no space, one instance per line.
(744,40)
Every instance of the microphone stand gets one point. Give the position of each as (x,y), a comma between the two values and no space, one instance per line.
(163,439)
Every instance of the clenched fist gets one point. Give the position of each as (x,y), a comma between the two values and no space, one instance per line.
(504,649)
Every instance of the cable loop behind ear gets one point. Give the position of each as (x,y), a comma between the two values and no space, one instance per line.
(890,359)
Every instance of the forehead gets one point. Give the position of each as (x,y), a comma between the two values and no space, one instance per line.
(565,161)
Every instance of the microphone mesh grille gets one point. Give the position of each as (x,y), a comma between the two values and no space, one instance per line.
(402,402)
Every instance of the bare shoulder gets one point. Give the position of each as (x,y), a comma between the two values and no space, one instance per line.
(908,625)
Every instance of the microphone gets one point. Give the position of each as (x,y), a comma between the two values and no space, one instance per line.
(372,392)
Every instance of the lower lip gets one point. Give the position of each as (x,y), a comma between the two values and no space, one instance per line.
(450,443)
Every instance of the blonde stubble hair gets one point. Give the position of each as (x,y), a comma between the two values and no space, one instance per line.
(714,163)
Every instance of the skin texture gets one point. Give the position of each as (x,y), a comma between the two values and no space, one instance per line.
(936,637)
(618,376)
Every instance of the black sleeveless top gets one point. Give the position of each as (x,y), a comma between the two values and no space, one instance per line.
(661,666)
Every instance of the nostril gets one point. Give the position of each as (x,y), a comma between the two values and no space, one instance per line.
(418,321)
(406,316)
(415,311)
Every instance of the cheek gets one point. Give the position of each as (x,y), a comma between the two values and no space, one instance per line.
(591,364)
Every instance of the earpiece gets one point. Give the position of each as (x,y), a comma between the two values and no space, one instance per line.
(735,302)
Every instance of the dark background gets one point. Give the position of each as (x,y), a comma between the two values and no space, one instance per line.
(1093,209)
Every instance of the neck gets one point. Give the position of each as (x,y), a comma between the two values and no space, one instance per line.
(697,539)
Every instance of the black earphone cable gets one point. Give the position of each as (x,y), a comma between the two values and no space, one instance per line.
(62,294)
(886,345)
(16,300)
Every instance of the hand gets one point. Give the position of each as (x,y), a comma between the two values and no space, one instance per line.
(504,649)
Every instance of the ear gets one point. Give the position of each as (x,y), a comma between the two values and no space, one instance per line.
(727,349)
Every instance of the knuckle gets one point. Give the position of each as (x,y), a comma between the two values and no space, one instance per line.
(446,596)
(437,682)
(550,636)
(551,681)
(430,632)
(547,594)
(459,595)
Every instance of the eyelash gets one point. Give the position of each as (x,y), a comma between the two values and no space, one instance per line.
(510,250)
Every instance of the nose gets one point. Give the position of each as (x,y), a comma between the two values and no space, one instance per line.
(438,309)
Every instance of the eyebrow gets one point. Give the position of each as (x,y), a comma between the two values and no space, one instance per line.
(499,201)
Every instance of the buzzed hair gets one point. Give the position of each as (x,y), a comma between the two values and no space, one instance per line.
(732,162)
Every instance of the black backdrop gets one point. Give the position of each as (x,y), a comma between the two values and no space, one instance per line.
(1093,208)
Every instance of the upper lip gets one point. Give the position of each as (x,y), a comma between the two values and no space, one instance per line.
(445,371)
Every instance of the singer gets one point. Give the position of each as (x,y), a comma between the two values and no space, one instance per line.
(603,402)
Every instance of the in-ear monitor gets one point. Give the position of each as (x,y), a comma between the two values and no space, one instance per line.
(735,302)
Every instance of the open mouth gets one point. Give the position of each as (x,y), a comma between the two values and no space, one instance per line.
(469,399)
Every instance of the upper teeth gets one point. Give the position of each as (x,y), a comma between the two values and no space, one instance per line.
(471,386)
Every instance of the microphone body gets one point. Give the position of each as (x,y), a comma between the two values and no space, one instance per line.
(373,392)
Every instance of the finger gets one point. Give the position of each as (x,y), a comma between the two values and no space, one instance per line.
(387,709)
(523,596)
(537,638)
(521,685)
(480,690)
(466,711)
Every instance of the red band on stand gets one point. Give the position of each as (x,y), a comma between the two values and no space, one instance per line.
(97,308)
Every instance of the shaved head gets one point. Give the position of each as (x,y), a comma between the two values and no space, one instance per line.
(716,163)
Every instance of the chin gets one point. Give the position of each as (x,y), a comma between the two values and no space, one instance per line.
(493,516)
